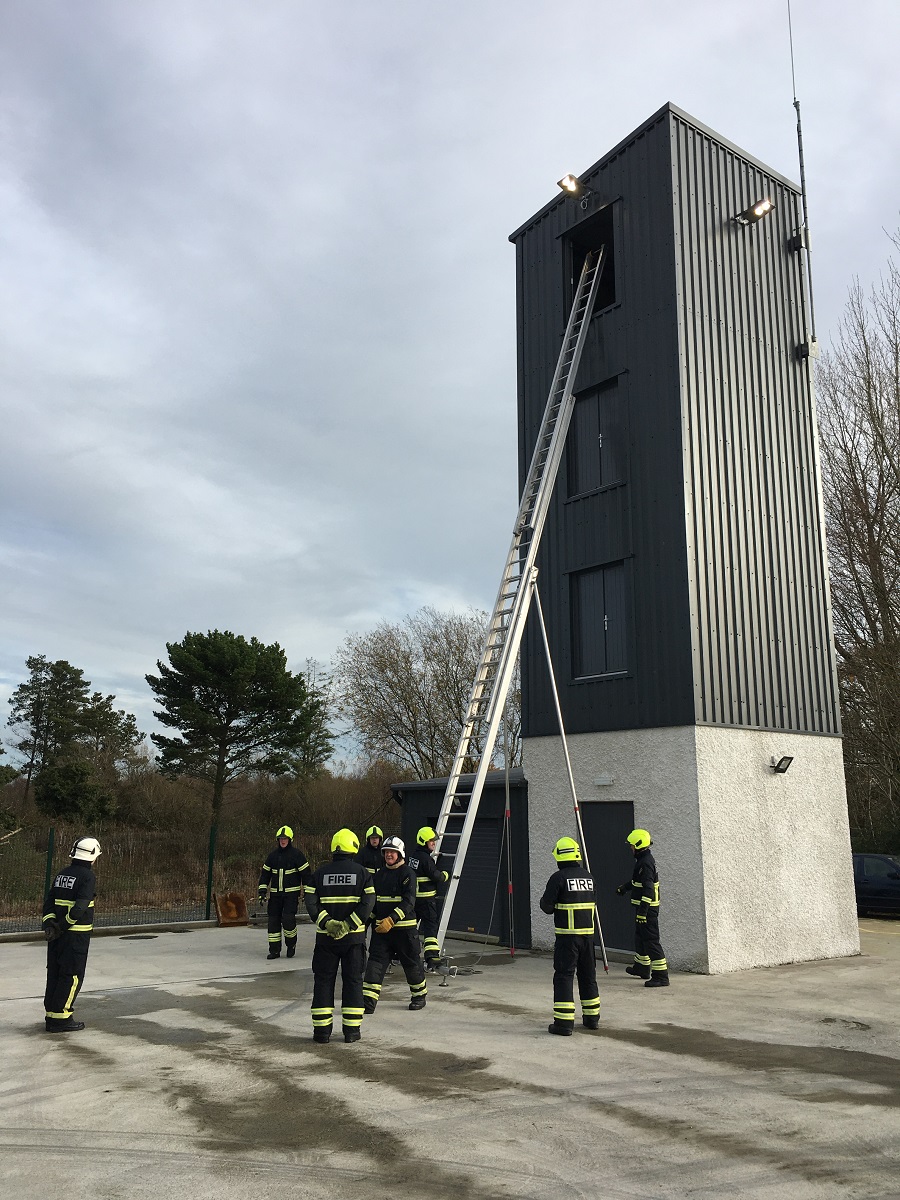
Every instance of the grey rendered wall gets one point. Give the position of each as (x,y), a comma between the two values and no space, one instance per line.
(755,868)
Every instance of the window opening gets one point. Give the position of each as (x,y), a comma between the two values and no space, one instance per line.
(596,231)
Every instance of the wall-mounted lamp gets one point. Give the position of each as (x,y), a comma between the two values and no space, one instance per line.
(573,186)
(755,212)
(780,765)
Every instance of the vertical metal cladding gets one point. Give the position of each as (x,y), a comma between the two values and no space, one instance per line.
(762,647)
(716,519)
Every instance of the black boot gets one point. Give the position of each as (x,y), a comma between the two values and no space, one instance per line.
(638,971)
(62,1025)
(369,1004)
(416,1003)
(591,1022)
(274,953)
(322,1035)
(352,1035)
(659,979)
(563,1028)
(291,951)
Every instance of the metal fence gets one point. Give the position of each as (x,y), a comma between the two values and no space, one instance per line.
(144,877)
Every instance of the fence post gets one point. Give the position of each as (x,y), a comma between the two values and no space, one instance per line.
(213,830)
(48,871)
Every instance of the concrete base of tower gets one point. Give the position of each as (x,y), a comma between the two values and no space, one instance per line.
(755,867)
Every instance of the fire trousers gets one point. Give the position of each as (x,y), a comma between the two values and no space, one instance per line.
(427,913)
(328,956)
(66,961)
(573,955)
(282,913)
(648,951)
(404,944)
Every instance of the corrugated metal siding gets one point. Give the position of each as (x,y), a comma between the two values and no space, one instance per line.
(761,641)
(717,520)
(641,521)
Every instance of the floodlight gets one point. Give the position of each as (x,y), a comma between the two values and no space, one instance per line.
(570,185)
(755,212)
(782,764)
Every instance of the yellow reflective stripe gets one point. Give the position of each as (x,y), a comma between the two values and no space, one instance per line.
(266,867)
(369,889)
(388,899)
(403,924)
(342,899)
(68,1004)
(574,907)
(80,928)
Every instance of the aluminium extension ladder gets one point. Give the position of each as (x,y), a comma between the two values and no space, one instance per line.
(507,624)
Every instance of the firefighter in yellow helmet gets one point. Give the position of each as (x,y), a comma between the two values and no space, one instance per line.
(569,896)
(649,958)
(430,876)
(283,873)
(339,899)
(370,855)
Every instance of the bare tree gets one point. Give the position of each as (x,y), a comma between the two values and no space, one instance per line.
(859,409)
(404,689)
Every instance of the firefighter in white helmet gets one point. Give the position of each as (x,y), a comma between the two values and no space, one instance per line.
(68,919)
(394,917)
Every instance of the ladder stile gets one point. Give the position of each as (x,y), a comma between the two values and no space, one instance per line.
(506,626)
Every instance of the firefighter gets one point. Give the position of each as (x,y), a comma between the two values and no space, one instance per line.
(569,896)
(394,917)
(68,918)
(429,876)
(339,899)
(283,873)
(371,852)
(649,959)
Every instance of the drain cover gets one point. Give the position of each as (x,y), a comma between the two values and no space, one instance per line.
(138,937)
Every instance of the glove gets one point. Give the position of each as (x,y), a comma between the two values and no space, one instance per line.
(336,929)
(261,898)
(620,891)
(52,930)
(385,925)
(641,918)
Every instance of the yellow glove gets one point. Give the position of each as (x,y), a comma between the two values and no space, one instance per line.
(385,925)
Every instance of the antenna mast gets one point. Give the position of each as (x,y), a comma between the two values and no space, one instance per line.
(804,232)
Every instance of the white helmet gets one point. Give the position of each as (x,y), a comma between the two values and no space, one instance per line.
(87,849)
(394,843)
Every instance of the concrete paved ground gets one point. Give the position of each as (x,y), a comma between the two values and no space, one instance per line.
(197,1078)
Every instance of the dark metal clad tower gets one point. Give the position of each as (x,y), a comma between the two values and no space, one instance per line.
(682,572)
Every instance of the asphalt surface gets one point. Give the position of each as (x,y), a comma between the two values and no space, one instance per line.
(196,1077)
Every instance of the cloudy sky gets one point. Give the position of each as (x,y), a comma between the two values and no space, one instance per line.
(257,327)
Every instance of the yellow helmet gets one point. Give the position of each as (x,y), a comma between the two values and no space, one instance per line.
(344,841)
(567,850)
(374,831)
(425,834)
(639,839)
(285,831)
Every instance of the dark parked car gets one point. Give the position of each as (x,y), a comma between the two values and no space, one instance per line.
(877,879)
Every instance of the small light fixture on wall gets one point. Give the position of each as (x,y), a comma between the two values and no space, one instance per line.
(755,212)
(573,186)
(780,765)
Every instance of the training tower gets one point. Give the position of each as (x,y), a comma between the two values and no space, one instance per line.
(682,571)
